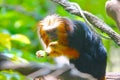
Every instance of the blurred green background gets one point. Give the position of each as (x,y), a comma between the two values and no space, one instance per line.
(18,27)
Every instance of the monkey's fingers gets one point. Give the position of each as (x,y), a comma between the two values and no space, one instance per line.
(41,53)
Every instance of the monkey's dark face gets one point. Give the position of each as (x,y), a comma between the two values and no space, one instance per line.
(55,28)
(50,28)
(52,34)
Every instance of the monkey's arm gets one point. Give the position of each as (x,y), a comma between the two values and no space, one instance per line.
(55,49)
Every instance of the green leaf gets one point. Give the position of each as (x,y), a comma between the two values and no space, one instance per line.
(5,40)
(18,60)
(20,38)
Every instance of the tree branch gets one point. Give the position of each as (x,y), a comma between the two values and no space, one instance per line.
(38,71)
(98,23)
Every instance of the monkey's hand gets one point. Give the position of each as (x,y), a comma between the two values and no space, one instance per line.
(41,53)
(51,50)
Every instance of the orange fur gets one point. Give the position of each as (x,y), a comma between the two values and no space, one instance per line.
(58,49)
(44,36)
(61,25)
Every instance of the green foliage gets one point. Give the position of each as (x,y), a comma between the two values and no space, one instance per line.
(12,75)
(5,40)
(21,38)
(19,19)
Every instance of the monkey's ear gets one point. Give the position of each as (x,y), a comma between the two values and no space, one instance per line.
(69,25)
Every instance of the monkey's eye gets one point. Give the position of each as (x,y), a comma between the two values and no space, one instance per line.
(53,44)
(52,33)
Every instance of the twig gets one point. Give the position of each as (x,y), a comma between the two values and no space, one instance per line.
(60,71)
(39,72)
(92,19)
(113,76)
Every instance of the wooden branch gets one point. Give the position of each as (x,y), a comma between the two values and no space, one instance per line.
(113,76)
(103,27)
(42,72)
(72,8)
(23,67)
